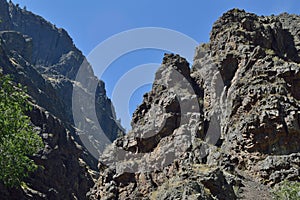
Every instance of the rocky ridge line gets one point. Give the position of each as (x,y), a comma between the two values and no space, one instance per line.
(246,80)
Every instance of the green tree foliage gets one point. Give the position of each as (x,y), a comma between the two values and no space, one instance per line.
(18,140)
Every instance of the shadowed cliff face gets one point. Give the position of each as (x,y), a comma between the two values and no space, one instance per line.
(64,165)
(52,54)
(44,59)
(246,137)
(49,43)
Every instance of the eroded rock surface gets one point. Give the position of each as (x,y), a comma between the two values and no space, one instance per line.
(240,140)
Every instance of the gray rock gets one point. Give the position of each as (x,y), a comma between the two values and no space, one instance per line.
(245,136)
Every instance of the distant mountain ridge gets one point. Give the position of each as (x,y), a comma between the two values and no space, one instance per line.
(45,60)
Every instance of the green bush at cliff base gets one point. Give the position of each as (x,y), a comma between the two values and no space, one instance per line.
(287,190)
(18,140)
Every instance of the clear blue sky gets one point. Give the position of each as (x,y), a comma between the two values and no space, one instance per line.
(91,22)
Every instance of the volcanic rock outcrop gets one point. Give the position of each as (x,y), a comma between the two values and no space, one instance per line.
(226,129)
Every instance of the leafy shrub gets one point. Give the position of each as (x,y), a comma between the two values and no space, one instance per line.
(287,190)
(18,140)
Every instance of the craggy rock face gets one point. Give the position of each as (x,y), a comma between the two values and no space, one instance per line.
(227,128)
(258,62)
(244,132)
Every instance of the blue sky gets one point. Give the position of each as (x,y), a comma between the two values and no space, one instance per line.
(91,22)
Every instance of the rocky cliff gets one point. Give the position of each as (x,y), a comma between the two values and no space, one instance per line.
(44,59)
(226,129)
(51,52)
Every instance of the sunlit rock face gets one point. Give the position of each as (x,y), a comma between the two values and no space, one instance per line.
(243,135)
